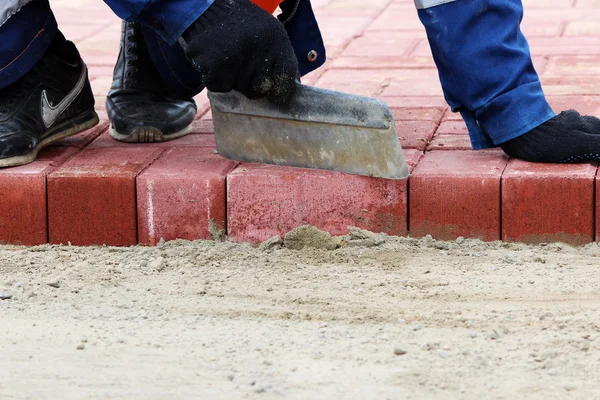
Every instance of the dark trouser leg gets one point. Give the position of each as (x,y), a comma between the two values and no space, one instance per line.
(26,36)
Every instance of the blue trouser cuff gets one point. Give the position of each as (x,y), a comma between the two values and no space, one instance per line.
(514,113)
(25,38)
(485,67)
(167,17)
(479,140)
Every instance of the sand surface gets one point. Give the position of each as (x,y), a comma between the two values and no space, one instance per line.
(374,318)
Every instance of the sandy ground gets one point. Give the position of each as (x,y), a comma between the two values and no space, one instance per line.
(378,318)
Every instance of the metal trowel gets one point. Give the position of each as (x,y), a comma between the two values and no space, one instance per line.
(319,128)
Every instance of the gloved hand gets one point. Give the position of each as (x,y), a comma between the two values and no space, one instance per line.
(567,138)
(236,45)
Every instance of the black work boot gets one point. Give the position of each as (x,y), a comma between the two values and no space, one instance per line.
(52,101)
(139,105)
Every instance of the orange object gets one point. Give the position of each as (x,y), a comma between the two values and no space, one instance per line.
(268,5)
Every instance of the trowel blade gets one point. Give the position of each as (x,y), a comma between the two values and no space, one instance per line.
(319,129)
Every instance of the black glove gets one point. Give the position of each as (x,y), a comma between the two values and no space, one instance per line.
(237,45)
(566,138)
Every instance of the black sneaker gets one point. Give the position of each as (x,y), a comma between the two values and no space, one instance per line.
(52,101)
(139,105)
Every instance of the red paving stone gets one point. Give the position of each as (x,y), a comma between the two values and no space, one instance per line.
(563,45)
(582,28)
(375,48)
(373,45)
(91,198)
(418,114)
(415,134)
(457,193)
(204,127)
(182,196)
(340,27)
(265,201)
(359,82)
(415,102)
(586,105)
(573,65)
(383,62)
(453,116)
(450,142)
(23,215)
(452,127)
(540,27)
(413,82)
(83,139)
(548,203)
(565,85)
(400,16)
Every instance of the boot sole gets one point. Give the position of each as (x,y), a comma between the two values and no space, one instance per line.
(81,123)
(147,134)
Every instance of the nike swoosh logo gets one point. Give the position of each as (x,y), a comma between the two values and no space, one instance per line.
(50,113)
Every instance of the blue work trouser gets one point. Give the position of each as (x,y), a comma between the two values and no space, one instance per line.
(485,67)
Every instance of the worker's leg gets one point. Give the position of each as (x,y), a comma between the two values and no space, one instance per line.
(142,105)
(45,93)
(153,83)
(27,28)
(487,74)
(150,99)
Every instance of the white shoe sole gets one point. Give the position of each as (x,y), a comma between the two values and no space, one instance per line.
(147,134)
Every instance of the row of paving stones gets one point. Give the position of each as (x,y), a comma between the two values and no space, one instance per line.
(91,190)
